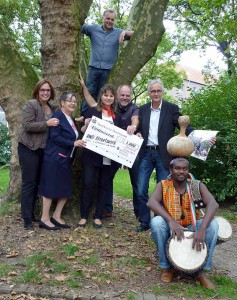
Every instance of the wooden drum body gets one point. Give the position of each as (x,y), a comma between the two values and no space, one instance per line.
(183,257)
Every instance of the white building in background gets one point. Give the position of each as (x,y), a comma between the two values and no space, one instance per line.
(2,117)
(193,82)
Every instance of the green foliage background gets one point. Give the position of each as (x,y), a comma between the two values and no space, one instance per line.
(215,109)
(5,145)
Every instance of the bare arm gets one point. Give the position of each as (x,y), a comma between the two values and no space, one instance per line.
(134,125)
(154,203)
(211,208)
(89,99)
(125,35)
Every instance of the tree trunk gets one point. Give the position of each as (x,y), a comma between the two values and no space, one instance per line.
(147,35)
(17,80)
(61,42)
(62,51)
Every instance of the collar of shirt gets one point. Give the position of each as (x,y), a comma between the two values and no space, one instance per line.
(159,108)
(107,31)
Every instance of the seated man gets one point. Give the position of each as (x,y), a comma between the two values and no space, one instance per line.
(176,214)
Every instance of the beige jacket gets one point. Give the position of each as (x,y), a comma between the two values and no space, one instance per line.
(34,127)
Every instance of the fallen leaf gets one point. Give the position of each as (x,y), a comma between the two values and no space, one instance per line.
(12,273)
(60,278)
(71,257)
(12,254)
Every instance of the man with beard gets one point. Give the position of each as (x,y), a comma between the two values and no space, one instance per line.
(172,204)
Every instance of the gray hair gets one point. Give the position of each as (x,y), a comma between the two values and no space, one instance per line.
(150,82)
(66,96)
(111,11)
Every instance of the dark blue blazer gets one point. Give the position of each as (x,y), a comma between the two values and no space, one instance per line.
(168,122)
(92,158)
(60,141)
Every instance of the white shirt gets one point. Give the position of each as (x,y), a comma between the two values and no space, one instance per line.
(153,126)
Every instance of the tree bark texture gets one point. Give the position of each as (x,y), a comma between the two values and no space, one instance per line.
(17,80)
(61,42)
(148,33)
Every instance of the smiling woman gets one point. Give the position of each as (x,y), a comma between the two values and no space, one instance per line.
(36,119)
(56,174)
(93,163)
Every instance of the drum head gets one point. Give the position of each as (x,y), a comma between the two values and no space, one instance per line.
(183,257)
(225,229)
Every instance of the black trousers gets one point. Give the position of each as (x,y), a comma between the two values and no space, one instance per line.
(30,163)
(88,187)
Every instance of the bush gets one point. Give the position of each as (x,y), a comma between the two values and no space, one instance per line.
(215,109)
(5,145)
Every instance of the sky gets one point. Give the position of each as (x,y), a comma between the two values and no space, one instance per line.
(197,61)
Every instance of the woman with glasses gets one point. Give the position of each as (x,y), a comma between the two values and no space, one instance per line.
(36,119)
(95,164)
(56,174)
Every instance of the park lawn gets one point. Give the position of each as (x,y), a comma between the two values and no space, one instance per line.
(4,179)
(123,187)
(122,184)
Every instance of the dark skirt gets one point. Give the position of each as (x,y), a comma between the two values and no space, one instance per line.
(55,181)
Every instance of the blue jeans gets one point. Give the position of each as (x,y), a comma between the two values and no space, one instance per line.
(151,160)
(160,233)
(133,172)
(96,78)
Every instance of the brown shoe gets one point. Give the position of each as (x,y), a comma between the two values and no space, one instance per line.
(166,275)
(107,214)
(204,282)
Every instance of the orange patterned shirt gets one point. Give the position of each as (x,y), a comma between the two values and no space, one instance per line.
(178,206)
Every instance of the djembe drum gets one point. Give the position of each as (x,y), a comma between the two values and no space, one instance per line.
(225,230)
(183,257)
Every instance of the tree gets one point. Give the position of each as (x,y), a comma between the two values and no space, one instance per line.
(215,109)
(63,57)
(17,79)
(206,23)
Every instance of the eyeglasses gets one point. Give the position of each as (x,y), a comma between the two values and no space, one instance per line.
(45,90)
(70,101)
(156,91)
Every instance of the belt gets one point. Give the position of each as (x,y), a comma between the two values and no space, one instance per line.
(153,147)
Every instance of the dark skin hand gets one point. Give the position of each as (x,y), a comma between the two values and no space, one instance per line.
(199,236)
(154,204)
(179,177)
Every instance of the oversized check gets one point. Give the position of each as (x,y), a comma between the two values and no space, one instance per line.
(112,142)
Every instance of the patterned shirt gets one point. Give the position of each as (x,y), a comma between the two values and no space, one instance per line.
(177,205)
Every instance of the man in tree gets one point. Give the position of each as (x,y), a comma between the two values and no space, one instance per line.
(172,203)
(105,42)
(157,122)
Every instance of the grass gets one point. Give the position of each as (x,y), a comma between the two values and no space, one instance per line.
(5,269)
(224,287)
(70,249)
(4,179)
(122,184)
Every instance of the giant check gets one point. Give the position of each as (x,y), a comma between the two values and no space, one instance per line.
(112,142)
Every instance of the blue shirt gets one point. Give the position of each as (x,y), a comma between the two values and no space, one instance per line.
(104,45)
